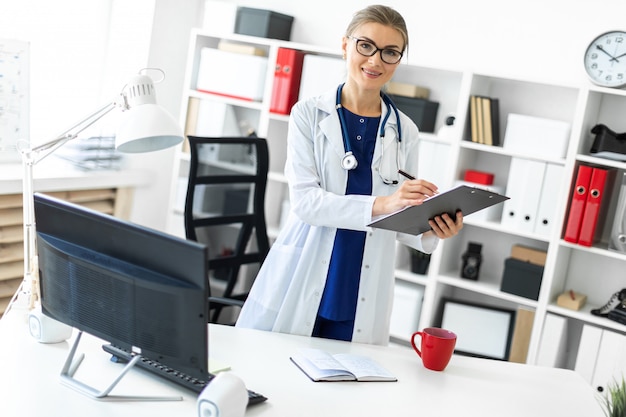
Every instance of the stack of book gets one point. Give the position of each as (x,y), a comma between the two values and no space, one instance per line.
(485,120)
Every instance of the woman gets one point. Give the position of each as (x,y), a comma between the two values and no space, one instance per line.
(328,274)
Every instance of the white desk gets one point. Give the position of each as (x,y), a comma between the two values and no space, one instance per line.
(468,387)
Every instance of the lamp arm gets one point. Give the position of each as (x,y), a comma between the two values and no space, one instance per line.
(30,157)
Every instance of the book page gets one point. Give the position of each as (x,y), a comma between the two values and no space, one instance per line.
(364,368)
(321,366)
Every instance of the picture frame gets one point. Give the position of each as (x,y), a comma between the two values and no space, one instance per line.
(482,331)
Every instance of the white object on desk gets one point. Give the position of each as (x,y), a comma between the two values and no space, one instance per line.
(225,396)
(45,329)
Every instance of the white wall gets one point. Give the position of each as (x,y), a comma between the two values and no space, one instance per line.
(531,39)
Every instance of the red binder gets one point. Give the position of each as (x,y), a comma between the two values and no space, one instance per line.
(286,80)
(577,205)
(593,207)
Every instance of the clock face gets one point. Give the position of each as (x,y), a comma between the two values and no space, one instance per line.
(605,59)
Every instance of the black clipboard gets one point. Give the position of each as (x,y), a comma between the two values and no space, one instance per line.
(414,220)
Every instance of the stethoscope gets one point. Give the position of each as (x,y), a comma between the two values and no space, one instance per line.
(349,161)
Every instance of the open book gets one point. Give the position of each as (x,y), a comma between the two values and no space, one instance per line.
(322,366)
(414,219)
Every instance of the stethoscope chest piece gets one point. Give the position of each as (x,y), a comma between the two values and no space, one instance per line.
(349,161)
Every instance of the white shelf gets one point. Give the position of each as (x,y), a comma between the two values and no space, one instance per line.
(581,106)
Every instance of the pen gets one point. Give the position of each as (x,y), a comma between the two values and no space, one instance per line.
(406,174)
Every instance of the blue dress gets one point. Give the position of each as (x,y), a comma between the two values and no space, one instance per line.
(335,317)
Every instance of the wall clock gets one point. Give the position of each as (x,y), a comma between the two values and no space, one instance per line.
(605,59)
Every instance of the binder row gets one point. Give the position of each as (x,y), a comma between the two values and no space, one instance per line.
(588,204)
(485,120)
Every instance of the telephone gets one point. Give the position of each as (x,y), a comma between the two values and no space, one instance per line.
(617,313)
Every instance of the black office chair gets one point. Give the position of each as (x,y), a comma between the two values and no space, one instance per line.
(225,209)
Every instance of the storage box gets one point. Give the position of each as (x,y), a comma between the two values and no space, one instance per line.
(320,74)
(407,90)
(263,23)
(231,74)
(422,112)
(572,300)
(528,254)
(521,278)
(545,138)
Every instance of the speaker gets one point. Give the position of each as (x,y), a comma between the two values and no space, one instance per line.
(47,330)
(618,231)
(225,396)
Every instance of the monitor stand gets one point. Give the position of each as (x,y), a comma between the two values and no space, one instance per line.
(67,377)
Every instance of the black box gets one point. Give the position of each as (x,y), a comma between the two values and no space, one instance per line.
(422,112)
(521,278)
(263,23)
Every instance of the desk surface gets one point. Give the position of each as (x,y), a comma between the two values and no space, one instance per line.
(29,384)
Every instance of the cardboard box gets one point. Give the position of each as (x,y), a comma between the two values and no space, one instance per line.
(422,112)
(231,74)
(263,23)
(407,90)
(528,254)
(545,138)
(521,278)
(572,300)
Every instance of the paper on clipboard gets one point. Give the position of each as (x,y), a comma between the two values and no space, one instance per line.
(414,220)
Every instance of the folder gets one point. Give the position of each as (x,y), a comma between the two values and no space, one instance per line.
(578,202)
(524,188)
(521,335)
(589,230)
(491,121)
(588,348)
(286,80)
(550,193)
(552,352)
(414,219)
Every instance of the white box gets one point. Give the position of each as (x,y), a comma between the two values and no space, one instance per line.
(530,135)
(320,74)
(232,74)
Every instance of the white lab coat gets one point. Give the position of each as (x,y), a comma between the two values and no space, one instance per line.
(286,294)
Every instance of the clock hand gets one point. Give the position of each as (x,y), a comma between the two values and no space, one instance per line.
(602,49)
(616,57)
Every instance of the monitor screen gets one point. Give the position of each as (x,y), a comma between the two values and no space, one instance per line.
(134,287)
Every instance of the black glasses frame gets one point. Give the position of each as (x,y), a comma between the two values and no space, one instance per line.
(375,49)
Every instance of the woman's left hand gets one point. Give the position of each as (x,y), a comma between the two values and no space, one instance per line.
(445,226)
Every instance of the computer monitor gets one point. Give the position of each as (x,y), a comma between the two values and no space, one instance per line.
(134,287)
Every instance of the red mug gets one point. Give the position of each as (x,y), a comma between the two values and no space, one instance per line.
(436,348)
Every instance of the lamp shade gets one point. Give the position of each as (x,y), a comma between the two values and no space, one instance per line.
(146,126)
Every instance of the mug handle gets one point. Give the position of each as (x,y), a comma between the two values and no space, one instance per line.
(413,342)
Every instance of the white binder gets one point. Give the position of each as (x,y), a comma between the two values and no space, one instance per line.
(320,74)
(549,197)
(524,189)
(553,342)
(611,361)
(588,351)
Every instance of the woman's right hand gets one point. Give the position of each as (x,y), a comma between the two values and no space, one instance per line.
(409,193)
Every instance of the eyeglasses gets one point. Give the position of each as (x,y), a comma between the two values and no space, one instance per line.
(368,48)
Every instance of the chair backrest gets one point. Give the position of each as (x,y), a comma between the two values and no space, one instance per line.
(225,209)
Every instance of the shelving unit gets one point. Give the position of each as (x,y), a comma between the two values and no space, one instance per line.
(594,271)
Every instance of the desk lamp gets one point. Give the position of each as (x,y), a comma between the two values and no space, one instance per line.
(145,127)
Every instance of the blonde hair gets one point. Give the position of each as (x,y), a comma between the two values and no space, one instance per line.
(380,14)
